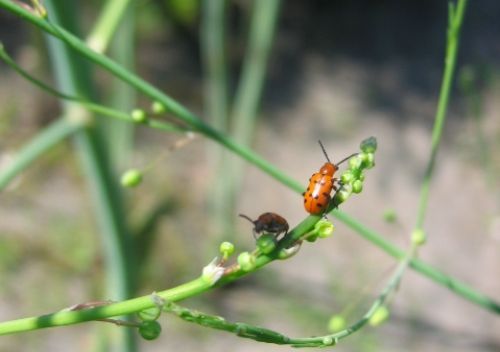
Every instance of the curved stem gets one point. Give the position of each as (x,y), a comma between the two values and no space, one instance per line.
(454,26)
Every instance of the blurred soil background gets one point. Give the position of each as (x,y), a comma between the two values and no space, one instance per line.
(339,72)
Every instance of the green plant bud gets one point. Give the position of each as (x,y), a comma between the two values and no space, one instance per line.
(343,193)
(347,177)
(226,249)
(131,178)
(139,115)
(390,216)
(39,8)
(150,330)
(369,145)
(355,162)
(158,108)
(328,341)
(367,160)
(418,237)
(246,261)
(336,323)
(266,243)
(361,176)
(380,316)
(324,228)
(149,314)
(357,186)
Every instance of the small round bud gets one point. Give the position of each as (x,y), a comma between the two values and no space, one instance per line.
(150,330)
(418,237)
(367,160)
(342,194)
(380,316)
(336,323)
(246,261)
(390,216)
(369,145)
(324,228)
(347,177)
(266,243)
(131,178)
(328,341)
(355,162)
(149,314)
(226,249)
(139,115)
(357,186)
(158,108)
(361,176)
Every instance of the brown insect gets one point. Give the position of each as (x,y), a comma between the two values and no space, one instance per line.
(268,223)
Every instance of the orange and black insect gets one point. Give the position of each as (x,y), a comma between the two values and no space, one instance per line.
(317,196)
(268,223)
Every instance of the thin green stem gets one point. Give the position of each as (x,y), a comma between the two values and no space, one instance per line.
(43,86)
(107,23)
(249,91)
(57,131)
(97,108)
(69,317)
(454,26)
(214,60)
(122,96)
(74,76)
(171,105)
(213,50)
(201,285)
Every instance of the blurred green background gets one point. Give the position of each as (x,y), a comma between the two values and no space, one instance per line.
(337,71)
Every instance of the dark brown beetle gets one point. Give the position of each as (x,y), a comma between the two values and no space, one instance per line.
(268,223)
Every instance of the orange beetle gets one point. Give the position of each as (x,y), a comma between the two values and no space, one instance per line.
(269,223)
(318,194)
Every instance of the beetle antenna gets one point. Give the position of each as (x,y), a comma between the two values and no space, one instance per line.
(345,159)
(324,151)
(246,217)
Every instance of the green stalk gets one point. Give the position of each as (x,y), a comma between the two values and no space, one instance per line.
(201,285)
(93,107)
(249,90)
(69,317)
(49,136)
(214,61)
(213,50)
(113,13)
(269,336)
(122,96)
(73,76)
(455,23)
